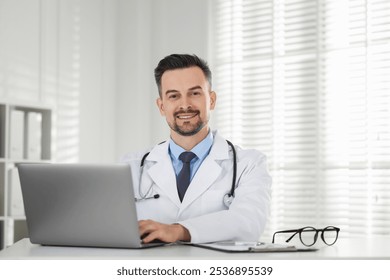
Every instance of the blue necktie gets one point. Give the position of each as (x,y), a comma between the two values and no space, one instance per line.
(184,176)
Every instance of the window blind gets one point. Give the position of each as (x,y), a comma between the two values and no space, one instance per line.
(307,83)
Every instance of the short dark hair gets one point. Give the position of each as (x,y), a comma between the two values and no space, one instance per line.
(180,61)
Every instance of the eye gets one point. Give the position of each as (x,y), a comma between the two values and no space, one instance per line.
(172,96)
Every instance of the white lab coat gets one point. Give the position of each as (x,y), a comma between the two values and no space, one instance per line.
(202,211)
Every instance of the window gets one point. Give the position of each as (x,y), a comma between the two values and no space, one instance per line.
(307,83)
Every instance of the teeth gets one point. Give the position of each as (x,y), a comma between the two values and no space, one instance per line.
(186,116)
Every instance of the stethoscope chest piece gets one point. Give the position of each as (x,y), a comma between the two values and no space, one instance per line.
(227,199)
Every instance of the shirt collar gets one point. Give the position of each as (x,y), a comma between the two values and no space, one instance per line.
(201,150)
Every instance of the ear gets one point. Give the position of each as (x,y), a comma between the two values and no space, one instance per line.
(160,106)
(213,100)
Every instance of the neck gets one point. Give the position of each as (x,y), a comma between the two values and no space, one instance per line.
(188,142)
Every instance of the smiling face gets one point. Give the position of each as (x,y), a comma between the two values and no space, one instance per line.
(186,101)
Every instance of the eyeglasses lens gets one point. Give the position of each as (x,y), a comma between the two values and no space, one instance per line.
(330,235)
(308,236)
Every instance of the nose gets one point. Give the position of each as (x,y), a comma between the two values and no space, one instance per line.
(185,103)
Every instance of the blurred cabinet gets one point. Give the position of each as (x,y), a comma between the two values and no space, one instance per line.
(25,136)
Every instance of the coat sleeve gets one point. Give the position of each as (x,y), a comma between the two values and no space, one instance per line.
(246,217)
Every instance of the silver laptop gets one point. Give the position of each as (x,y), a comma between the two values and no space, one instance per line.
(80,205)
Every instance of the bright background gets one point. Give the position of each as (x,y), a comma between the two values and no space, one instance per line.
(306,82)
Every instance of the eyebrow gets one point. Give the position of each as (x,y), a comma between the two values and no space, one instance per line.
(176,91)
(171,91)
(195,87)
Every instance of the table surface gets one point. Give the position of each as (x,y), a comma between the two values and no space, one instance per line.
(352,248)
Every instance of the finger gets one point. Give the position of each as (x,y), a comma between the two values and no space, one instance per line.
(145,222)
(155,235)
(147,226)
(144,227)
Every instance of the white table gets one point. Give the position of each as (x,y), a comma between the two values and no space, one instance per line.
(354,248)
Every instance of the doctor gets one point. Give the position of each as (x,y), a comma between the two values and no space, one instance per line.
(167,209)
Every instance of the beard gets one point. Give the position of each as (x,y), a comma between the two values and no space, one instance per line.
(187,129)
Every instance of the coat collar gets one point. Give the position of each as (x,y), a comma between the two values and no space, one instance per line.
(163,175)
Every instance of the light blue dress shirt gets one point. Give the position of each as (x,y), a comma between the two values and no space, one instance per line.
(201,151)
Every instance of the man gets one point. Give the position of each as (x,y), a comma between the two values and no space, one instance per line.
(168,208)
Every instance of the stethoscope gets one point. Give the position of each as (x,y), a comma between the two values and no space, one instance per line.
(227,198)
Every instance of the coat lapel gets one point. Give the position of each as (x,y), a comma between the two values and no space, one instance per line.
(162,173)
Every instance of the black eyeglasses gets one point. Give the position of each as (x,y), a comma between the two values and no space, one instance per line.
(309,235)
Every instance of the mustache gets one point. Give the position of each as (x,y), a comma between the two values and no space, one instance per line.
(188,111)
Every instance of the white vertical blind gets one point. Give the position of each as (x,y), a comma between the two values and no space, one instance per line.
(308,83)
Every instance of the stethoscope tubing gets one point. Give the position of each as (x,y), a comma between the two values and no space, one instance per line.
(229,195)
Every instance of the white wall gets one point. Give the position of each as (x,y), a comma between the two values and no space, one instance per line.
(98,80)
(133,116)
(93,61)
(19,50)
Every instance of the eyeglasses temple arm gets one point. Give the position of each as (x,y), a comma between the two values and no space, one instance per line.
(285,231)
(291,237)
